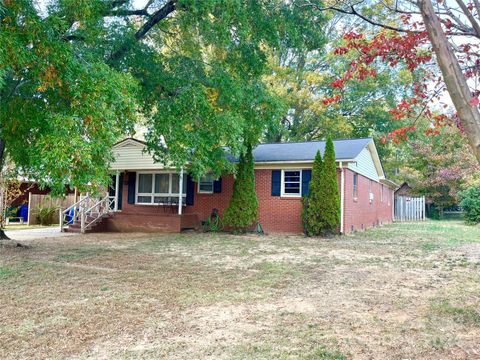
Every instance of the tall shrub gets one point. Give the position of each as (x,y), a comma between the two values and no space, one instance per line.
(329,203)
(242,211)
(311,202)
(470,202)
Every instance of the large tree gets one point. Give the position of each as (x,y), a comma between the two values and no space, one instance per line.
(73,75)
(451,28)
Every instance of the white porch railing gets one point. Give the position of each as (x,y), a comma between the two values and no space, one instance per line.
(86,212)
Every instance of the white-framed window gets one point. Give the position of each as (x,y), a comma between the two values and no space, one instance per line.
(159,188)
(292,183)
(370,191)
(355,186)
(205,184)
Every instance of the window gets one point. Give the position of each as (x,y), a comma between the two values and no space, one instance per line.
(205,184)
(291,183)
(159,188)
(370,191)
(355,186)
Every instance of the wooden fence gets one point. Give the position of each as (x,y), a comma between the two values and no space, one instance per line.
(37,201)
(409,208)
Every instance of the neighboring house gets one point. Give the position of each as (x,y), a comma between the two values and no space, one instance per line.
(149,197)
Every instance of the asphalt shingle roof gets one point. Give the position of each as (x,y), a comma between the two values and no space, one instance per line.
(345,149)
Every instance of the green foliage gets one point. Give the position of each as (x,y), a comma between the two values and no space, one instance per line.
(242,211)
(321,209)
(311,203)
(470,202)
(46,215)
(73,82)
(328,194)
(62,106)
(438,167)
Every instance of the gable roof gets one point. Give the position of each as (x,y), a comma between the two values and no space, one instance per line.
(361,154)
(345,149)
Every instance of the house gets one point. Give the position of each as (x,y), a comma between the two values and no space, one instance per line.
(149,198)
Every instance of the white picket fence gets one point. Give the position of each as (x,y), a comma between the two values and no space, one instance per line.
(409,208)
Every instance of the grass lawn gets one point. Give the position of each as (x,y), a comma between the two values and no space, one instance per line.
(405,291)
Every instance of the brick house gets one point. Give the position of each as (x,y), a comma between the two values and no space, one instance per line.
(149,198)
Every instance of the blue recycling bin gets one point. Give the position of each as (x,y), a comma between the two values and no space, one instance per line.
(23,212)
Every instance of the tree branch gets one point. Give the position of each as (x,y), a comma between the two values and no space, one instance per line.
(153,20)
(125,12)
(469,16)
(158,16)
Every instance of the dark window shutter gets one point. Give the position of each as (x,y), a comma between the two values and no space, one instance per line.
(120,191)
(276,182)
(306,177)
(217,185)
(132,178)
(190,190)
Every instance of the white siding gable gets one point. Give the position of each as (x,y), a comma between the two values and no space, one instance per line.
(365,165)
(130,155)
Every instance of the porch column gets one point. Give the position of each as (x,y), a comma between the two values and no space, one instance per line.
(180,192)
(117,183)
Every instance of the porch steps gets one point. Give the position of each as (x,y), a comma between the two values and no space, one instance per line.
(76,227)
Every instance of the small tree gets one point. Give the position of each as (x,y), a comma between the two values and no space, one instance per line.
(242,211)
(311,202)
(328,195)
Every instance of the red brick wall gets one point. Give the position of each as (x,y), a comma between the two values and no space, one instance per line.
(279,214)
(360,212)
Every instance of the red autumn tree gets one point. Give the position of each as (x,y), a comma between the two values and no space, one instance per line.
(411,32)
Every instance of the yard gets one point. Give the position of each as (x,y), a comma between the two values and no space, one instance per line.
(406,291)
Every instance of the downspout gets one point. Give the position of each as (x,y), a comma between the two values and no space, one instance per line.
(393,205)
(342,197)
(180,190)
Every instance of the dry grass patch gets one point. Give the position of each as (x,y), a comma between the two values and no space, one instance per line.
(397,292)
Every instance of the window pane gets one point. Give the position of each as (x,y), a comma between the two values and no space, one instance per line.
(206,183)
(145,183)
(161,183)
(161,199)
(292,176)
(175,180)
(291,182)
(144,199)
(206,187)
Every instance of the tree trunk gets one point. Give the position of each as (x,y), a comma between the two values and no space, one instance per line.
(452,74)
(3,236)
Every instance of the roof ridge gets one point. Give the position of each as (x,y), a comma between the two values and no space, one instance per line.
(313,141)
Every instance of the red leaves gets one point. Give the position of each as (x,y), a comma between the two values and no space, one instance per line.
(331,100)
(405,109)
(400,134)
(337,84)
(448,23)
(474,101)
